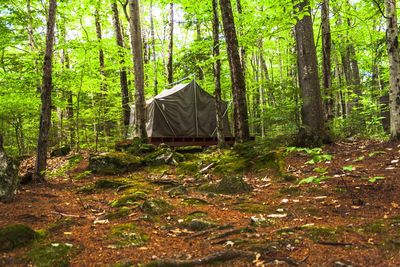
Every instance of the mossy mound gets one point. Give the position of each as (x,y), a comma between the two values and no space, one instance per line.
(200,225)
(135,146)
(52,255)
(61,151)
(130,199)
(257,208)
(128,235)
(191,201)
(229,185)
(15,236)
(114,163)
(321,234)
(156,206)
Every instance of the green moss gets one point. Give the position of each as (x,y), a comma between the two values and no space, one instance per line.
(318,234)
(195,215)
(52,255)
(86,189)
(15,236)
(228,185)
(194,201)
(188,168)
(130,199)
(109,184)
(199,225)
(376,227)
(128,235)
(251,208)
(156,206)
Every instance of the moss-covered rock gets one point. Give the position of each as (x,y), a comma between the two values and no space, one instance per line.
(178,191)
(129,199)
(128,235)
(114,163)
(15,236)
(229,185)
(164,155)
(200,225)
(156,206)
(52,255)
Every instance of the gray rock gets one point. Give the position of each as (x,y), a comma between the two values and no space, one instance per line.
(8,177)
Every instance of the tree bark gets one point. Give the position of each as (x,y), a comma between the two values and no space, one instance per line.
(170,70)
(217,76)
(45,115)
(393,53)
(123,80)
(153,49)
(313,130)
(137,53)
(326,60)
(237,75)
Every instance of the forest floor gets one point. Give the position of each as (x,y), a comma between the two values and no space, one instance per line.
(350,218)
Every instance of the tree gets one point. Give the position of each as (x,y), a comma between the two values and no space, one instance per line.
(217,75)
(393,53)
(326,59)
(137,53)
(45,115)
(126,111)
(153,49)
(237,75)
(170,67)
(313,129)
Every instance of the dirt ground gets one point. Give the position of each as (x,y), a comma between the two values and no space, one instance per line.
(350,218)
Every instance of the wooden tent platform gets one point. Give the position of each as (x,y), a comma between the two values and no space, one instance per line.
(188,141)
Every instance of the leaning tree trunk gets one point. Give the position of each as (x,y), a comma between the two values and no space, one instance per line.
(326,60)
(237,75)
(123,80)
(313,129)
(170,70)
(217,76)
(393,53)
(45,115)
(136,41)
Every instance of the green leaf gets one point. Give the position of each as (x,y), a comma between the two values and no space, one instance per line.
(308,180)
(321,170)
(376,178)
(349,168)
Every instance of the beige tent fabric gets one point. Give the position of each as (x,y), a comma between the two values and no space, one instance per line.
(186,110)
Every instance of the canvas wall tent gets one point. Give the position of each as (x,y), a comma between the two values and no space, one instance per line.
(186,110)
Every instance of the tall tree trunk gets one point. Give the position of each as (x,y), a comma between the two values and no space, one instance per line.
(170,70)
(326,60)
(313,130)
(32,43)
(68,93)
(153,49)
(237,75)
(103,86)
(217,76)
(199,38)
(123,80)
(45,115)
(137,52)
(393,53)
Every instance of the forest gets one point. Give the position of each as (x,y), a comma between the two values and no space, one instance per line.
(199,133)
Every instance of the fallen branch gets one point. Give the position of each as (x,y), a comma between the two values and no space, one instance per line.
(67,215)
(227,255)
(233,232)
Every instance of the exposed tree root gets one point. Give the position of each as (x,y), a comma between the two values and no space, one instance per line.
(216,257)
